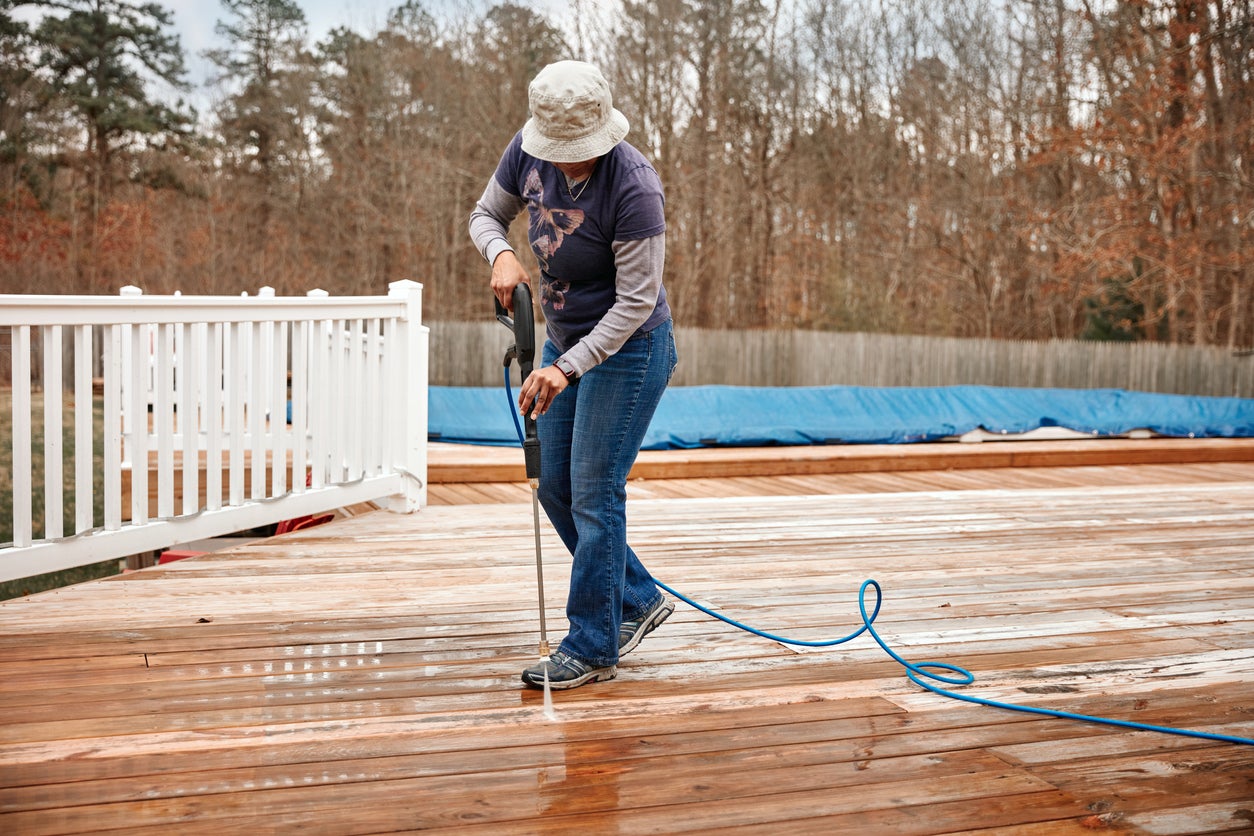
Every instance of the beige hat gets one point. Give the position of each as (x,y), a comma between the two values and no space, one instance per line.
(572,114)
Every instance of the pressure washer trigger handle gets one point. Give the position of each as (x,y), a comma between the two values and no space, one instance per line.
(502,315)
(524,325)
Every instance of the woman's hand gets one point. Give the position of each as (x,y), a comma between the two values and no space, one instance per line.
(508,273)
(539,390)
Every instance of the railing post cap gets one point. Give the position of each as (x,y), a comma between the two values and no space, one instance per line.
(403,287)
(130,290)
(317,292)
(266,291)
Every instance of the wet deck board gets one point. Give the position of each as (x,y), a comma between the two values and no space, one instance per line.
(361,677)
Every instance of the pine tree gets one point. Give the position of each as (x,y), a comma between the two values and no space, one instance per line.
(103,56)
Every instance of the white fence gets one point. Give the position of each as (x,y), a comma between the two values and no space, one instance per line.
(245,410)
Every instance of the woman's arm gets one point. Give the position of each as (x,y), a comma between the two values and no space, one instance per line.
(639,264)
(489,228)
(490,220)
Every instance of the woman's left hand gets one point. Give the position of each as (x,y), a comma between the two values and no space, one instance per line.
(539,390)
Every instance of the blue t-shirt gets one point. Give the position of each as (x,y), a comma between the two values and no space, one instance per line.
(572,236)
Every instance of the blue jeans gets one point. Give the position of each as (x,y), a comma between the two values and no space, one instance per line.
(589,440)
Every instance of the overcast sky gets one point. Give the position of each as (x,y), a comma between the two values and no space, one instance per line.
(195,21)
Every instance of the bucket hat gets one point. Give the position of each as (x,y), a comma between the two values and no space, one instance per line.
(573,117)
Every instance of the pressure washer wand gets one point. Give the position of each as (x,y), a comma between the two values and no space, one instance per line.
(535,518)
(524,351)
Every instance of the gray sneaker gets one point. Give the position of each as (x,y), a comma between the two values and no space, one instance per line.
(631,632)
(565,671)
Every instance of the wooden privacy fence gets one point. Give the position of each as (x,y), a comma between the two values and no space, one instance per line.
(469,354)
(247,410)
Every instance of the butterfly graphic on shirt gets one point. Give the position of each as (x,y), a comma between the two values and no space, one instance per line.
(547,226)
(553,294)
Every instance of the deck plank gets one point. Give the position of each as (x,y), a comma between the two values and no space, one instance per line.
(362,676)
(1017,478)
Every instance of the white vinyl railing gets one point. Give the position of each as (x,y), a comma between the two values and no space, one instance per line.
(227,413)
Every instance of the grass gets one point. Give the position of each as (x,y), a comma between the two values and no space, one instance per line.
(53,580)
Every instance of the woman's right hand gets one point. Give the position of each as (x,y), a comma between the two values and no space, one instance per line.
(507,273)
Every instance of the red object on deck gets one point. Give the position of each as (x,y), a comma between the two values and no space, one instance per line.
(171,555)
(302,522)
(307,521)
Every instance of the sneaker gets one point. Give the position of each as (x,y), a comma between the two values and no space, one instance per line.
(631,632)
(565,671)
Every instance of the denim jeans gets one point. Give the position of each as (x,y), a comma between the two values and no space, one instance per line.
(589,440)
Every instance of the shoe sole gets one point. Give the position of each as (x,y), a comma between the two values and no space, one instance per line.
(594,675)
(655,621)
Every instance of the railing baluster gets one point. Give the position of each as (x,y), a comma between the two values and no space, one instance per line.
(235,388)
(124,381)
(190,370)
(371,406)
(263,395)
(278,411)
(84,415)
(257,411)
(320,405)
(300,401)
(138,375)
(54,439)
(355,376)
(22,486)
(114,373)
(390,402)
(163,418)
(339,401)
(213,418)
(179,348)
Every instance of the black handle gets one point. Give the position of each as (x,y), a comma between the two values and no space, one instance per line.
(523,324)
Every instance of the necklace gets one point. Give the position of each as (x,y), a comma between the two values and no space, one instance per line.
(574,197)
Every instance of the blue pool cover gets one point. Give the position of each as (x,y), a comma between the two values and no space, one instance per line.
(705,416)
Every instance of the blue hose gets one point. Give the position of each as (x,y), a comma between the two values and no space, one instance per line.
(918,672)
(513,413)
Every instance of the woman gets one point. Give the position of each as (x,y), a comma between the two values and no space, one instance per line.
(596,226)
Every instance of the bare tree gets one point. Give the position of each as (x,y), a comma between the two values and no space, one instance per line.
(264,70)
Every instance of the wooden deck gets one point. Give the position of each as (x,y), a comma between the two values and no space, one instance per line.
(362,677)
